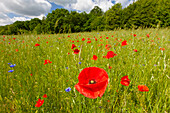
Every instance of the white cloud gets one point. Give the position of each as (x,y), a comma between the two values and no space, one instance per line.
(26,9)
(4,19)
(104,4)
(64,2)
(88,5)
(84,5)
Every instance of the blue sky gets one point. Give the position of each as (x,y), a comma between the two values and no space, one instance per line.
(22,10)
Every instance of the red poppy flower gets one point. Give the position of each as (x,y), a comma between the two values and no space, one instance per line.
(134,35)
(147,35)
(45,96)
(101,40)
(16,50)
(110,67)
(125,81)
(83,39)
(124,43)
(92,82)
(39,103)
(125,78)
(135,50)
(162,49)
(14,38)
(107,37)
(47,61)
(96,39)
(110,54)
(76,51)
(73,46)
(143,88)
(37,44)
(46,42)
(108,46)
(94,57)
(88,38)
(89,41)
(3,39)
(31,74)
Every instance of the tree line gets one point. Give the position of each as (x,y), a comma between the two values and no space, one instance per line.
(140,14)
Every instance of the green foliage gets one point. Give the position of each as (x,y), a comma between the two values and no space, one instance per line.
(96,11)
(113,17)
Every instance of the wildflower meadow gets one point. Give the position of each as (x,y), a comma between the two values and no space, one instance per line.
(121,71)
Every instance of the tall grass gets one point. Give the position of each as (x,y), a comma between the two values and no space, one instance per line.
(149,66)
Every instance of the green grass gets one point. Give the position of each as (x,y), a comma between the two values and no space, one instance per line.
(19,91)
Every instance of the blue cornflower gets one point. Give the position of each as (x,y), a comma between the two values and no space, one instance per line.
(9,42)
(79,46)
(66,67)
(68,89)
(79,62)
(9,63)
(12,65)
(97,33)
(10,71)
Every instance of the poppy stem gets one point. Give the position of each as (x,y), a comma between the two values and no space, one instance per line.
(80,52)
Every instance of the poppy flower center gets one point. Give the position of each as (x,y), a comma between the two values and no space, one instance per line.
(92,81)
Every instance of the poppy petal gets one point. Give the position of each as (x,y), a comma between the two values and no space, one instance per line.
(125,82)
(92,89)
(125,78)
(143,88)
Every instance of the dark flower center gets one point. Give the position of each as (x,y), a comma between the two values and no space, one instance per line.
(92,81)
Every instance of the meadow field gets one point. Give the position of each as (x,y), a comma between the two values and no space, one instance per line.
(47,67)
